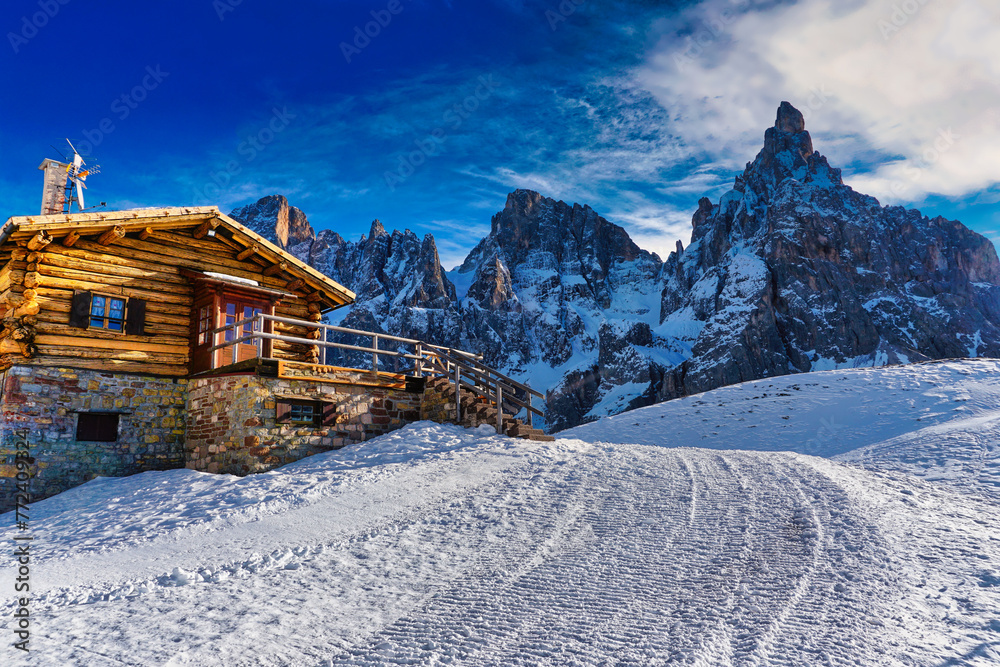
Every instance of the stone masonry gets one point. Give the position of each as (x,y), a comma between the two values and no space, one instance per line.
(232,426)
(42,405)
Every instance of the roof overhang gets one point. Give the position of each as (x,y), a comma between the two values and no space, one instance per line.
(148,220)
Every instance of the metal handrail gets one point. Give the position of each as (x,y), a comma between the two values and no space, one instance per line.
(431,359)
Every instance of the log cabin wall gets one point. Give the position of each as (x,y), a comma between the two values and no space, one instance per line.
(37,287)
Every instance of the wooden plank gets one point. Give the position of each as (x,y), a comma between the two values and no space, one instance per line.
(175,286)
(113,365)
(134,216)
(119,343)
(79,265)
(108,256)
(63,329)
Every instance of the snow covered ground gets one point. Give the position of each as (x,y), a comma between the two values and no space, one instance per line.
(697,532)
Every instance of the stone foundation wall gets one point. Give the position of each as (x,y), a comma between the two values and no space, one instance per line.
(232,426)
(43,404)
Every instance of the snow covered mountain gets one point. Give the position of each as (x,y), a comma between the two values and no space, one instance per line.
(791,271)
(794,271)
(693,532)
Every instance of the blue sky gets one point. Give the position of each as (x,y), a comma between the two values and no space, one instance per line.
(637,108)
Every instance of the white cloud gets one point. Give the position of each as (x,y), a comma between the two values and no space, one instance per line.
(915,80)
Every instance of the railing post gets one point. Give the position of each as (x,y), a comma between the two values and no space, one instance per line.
(375,354)
(236,346)
(529,397)
(499,409)
(418,368)
(258,327)
(458,394)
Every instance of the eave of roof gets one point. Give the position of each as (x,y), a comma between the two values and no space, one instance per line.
(19,227)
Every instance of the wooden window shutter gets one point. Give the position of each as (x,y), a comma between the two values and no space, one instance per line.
(328,415)
(79,311)
(282,411)
(135,320)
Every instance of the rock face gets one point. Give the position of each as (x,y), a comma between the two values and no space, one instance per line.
(794,271)
(557,295)
(791,271)
(401,287)
(275,220)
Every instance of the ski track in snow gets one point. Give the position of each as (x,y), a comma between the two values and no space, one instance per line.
(436,545)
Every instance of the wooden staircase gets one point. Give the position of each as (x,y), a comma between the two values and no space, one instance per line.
(475,409)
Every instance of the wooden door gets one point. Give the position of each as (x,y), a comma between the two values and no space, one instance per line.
(235,309)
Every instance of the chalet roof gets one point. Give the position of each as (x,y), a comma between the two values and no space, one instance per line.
(259,252)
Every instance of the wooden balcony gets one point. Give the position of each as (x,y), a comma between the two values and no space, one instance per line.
(475,386)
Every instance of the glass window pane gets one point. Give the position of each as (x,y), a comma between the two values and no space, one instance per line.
(116,308)
(97,306)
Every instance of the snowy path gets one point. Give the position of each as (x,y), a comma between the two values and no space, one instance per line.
(437,545)
(514,553)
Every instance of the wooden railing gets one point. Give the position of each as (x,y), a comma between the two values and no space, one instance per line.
(465,371)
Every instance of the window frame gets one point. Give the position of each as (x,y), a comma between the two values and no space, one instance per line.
(324,413)
(106,317)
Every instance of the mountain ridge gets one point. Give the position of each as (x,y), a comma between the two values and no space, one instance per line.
(791,271)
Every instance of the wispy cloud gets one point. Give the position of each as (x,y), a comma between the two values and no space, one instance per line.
(901,90)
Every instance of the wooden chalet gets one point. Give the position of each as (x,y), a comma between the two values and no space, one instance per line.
(171,337)
(138,291)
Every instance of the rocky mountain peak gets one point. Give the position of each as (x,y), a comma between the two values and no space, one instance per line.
(376,229)
(793,271)
(274,219)
(787,153)
(790,119)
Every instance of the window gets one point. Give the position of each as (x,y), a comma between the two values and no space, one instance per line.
(315,413)
(204,324)
(236,312)
(302,413)
(117,314)
(107,312)
(97,426)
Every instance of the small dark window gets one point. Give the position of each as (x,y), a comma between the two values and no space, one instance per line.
(302,413)
(107,312)
(111,313)
(316,413)
(204,325)
(97,426)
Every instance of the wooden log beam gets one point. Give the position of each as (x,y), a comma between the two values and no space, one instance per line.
(18,255)
(312,297)
(115,233)
(11,279)
(202,230)
(118,344)
(31,279)
(39,240)
(145,233)
(12,298)
(9,346)
(314,308)
(275,269)
(26,308)
(252,250)
(295,284)
(70,239)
